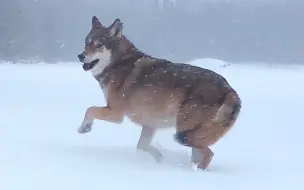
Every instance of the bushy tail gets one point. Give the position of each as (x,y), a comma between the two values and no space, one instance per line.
(230,109)
(223,121)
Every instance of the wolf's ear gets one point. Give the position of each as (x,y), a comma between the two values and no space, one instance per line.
(96,22)
(116,28)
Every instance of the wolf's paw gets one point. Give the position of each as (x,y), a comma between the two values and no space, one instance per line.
(153,152)
(85,128)
(158,157)
(196,167)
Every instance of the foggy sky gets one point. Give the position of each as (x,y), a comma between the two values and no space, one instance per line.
(231,30)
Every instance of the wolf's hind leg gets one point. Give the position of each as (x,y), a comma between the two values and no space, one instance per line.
(201,157)
(144,143)
(201,154)
(195,156)
(206,158)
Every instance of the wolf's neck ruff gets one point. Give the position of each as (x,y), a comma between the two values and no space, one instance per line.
(124,62)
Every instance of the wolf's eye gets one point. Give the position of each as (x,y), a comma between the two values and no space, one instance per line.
(99,45)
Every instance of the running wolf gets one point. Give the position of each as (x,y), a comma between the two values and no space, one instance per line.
(156,93)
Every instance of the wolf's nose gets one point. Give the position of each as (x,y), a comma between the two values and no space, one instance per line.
(81,57)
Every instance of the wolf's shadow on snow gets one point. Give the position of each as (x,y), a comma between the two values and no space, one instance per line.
(125,156)
(129,156)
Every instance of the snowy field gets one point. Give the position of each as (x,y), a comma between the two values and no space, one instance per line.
(42,105)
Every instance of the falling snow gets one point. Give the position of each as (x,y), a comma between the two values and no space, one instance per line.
(43,105)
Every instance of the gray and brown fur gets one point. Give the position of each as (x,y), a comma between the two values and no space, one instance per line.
(156,93)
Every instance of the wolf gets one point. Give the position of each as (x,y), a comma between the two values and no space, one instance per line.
(156,93)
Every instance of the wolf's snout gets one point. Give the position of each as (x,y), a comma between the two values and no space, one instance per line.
(81,57)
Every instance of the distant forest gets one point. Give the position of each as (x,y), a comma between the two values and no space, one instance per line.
(235,31)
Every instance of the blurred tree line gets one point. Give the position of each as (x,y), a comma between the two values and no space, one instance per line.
(256,31)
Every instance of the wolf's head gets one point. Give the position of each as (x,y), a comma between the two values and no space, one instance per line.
(100,44)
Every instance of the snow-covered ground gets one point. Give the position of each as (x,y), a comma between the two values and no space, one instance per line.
(42,106)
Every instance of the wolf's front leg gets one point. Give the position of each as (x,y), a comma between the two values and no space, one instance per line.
(86,125)
(100,113)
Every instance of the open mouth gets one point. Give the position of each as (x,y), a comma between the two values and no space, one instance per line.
(89,66)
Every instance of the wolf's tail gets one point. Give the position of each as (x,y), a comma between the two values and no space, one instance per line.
(230,109)
(225,118)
